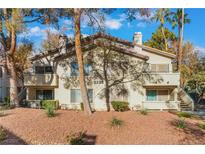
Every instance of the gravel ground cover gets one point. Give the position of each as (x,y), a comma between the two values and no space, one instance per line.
(32,126)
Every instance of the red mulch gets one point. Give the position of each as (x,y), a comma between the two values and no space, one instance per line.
(32,126)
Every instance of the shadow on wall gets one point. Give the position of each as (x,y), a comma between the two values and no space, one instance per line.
(12,139)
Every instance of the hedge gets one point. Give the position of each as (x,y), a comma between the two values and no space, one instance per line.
(53,103)
(120,106)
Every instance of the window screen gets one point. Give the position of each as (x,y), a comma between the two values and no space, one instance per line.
(44,94)
(39,70)
(1,72)
(159,67)
(75,69)
(151,95)
(162,95)
(76,95)
(48,69)
(43,69)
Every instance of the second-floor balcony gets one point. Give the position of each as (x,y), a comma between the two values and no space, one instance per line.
(163,79)
(41,80)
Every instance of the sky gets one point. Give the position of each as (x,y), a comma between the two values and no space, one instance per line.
(117,25)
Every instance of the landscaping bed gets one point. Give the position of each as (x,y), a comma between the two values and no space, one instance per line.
(33,126)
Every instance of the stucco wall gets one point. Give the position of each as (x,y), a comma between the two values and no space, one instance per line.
(135,96)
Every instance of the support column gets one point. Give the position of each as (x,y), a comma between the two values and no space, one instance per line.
(27,93)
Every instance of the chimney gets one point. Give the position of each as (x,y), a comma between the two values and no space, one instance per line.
(63,42)
(137,39)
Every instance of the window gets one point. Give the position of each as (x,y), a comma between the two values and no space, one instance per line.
(88,69)
(75,69)
(162,95)
(157,95)
(1,72)
(44,94)
(151,95)
(159,67)
(1,99)
(48,69)
(76,95)
(39,70)
(43,69)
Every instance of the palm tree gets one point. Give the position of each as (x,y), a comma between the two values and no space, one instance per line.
(179,19)
(162,15)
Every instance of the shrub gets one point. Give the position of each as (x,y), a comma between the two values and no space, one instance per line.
(50,111)
(6,102)
(120,106)
(116,122)
(2,134)
(181,123)
(49,103)
(81,106)
(202,125)
(184,114)
(76,138)
(143,111)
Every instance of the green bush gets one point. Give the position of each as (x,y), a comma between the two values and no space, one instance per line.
(116,122)
(7,102)
(202,125)
(49,103)
(143,111)
(76,138)
(50,111)
(184,114)
(2,134)
(181,123)
(120,106)
(81,106)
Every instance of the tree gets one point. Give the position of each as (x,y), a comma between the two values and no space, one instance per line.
(178,19)
(157,40)
(190,60)
(51,42)
(162,15)
(96,20)
(117,71)
(12,22)
(21,60)
(79,55)
(196,85)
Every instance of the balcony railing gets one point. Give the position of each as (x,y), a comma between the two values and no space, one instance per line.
(41,80)
(163,79)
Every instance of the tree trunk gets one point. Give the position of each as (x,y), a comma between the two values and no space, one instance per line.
(13,83)
(107,90)
(107,98)
(165,40)
(181,31)
(10,59)
(79,54)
